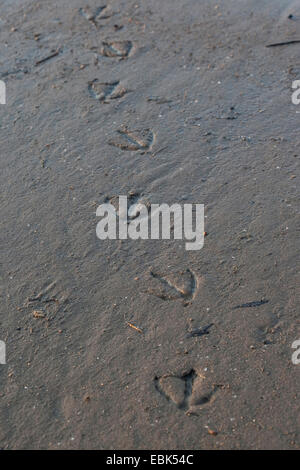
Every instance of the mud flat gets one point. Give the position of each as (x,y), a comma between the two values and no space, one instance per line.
(124,344)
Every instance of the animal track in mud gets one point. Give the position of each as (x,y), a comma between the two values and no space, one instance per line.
(116,49)
(177,389)
(106,91)
(133,140)
(182,285)
(43,296)
(134,201)
(47,303)
(93,15)
(186,391)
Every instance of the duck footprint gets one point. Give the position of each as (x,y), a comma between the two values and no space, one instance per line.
(106,91)
(116,49)
(133,140)
(182,285)
(186,391)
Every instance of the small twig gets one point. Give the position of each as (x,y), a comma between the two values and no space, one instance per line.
(286,43)
(134,327)
(54,54)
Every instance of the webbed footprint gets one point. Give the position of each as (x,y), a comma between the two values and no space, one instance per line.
(133,140)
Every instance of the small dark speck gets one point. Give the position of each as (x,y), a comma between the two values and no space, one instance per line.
(199,331)
(257,303)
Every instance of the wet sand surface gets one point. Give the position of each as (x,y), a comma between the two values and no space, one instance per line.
(197,77)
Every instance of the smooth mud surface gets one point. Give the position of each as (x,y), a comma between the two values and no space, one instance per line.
(173,101)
